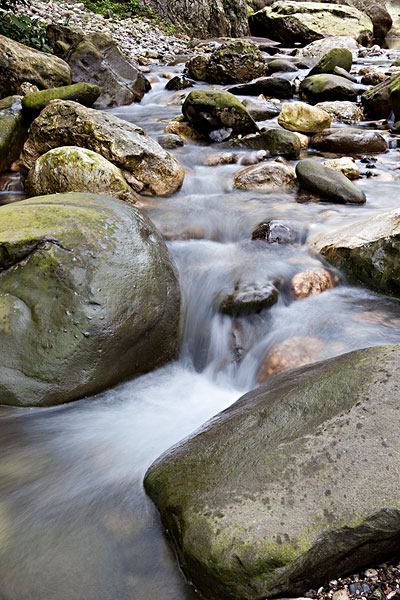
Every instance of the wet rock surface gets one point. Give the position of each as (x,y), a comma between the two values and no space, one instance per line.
(337,401)
(327,183)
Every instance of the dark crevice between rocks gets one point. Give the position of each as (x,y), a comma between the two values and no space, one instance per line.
(12,255)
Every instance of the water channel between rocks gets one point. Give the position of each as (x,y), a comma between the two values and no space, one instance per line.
(75,523)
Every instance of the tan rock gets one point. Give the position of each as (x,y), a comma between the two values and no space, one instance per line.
(302,117)
(265,175)
(310,282)
(186,131)
(345,165)
(343,111)
(303,139)
(219,158)
(289,354)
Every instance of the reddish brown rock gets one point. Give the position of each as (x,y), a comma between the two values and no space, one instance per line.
(310,282)
(289,354)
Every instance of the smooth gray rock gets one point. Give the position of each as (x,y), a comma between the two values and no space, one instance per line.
(328,183)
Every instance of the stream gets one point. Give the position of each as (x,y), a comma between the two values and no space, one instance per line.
(75,523)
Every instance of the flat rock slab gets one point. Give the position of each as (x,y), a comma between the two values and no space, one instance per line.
(293,485)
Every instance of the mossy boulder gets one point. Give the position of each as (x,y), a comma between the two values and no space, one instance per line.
(280,65)
(337,57)
(84,93)
(236,61)
(88,297)
(278,142)
(301,117)
(348,140)
(303,22)
(74,169)
(209,110)
(12,131)
(97,59)
(367,250)
(18,63)
(151,170)
(327,183)
(319,88)
(376,101)
(280,492)
(197,66)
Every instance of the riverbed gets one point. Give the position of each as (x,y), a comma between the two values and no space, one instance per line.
(75,523)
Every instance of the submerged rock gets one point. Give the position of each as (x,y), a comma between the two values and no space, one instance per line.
(310,282)
(88,297)
(210,110)
(303,22)
(280,65)
(275,495)
(366,250)
(290,354)
(18,63)
(66,123)
(301,117)
(348,141)
(12,131)
(74,169)
(248,298)
(328,183)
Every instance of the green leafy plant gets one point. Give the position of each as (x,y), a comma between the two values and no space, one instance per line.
(119,9)
(22,28)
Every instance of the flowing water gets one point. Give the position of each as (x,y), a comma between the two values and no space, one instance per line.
(75,523)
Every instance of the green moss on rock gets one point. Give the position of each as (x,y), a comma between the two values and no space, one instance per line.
(84,93)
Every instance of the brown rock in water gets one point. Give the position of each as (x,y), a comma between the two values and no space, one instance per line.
(310,282)
(289,354)
(348,141)
(264,176)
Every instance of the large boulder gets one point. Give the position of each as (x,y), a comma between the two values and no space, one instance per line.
(299,116)
(236,61)
(327,182)
(12,131)
(376,101)
(74,169)
(293,485)
(209,110)
(97,59)
(347,140)
(88,294)
(18,63)
(149,168)
(204,18)
(316,50)
(367,250)
(84,93)
(292,22)
(323,87)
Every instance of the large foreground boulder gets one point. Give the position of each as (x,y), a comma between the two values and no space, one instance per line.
(150,169)
(293,485)
(97,59)
(18,63)
(88,297)
(367,250)
(12,131)
(289,21)
(74,169)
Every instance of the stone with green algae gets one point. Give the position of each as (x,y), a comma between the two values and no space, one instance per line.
(88,297)
(13,131)
(84,93)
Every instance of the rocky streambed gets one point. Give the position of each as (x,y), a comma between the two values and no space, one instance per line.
(271,194)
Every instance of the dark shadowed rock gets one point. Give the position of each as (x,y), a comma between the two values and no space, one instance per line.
(328,183)
(376,101)
(278,142)
(319,88)
(273,87)
(236,61)
(13,131)
(275,496)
